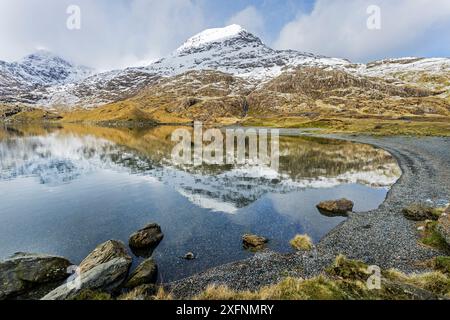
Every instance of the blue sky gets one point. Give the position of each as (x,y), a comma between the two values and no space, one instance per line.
(120,33)
(276,13)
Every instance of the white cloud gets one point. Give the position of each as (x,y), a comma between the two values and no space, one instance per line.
(113,34)
(249,18)
(339,28)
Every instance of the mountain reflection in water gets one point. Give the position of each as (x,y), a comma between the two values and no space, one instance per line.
(64,190)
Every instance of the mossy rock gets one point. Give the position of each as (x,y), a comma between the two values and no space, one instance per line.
(420,212)
(92,295)
(432,238)
(348,269)
(442,264)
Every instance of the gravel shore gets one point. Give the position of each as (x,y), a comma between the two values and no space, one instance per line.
(382,237)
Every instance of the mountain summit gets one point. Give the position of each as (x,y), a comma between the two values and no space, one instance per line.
(217,35)
(236,51)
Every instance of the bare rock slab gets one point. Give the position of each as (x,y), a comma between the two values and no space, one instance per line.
(106,277)
(24,272)
(103,253)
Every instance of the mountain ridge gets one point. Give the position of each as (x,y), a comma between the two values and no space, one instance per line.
(229,72)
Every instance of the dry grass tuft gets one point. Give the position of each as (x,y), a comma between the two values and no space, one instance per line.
(302,243)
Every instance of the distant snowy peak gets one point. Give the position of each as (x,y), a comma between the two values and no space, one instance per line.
(45,68)
(26,80)
(216,35)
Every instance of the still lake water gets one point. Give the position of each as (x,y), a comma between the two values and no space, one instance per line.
(65,190)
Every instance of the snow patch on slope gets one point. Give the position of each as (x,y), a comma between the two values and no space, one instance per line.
(211,35)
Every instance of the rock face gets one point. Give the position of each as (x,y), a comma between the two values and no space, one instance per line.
(106,277)
(104,270)
(145,273)
(337,207)
(252,241)
(443,227)
(103,253)
(419,212)
(24,272)
(147,238)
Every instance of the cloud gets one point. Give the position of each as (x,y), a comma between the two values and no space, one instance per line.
(249,18)
(339,28)
(113,34)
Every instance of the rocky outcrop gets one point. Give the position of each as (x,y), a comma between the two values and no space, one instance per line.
(25,272)
(147,238)
(145,273)
(419,212)
(104,270)
(254,242)
(336,207)
(105,252)
(106,277)
(443,227)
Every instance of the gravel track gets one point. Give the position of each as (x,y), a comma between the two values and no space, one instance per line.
(381,237)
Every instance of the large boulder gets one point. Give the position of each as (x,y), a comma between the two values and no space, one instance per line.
(145,273)
(443,227)
(146,238)
(254,242)
(103,253)
(420,212)
(24,272)
(336,207)
(106,277)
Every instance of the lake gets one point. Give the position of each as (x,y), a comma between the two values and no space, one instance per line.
(66,189)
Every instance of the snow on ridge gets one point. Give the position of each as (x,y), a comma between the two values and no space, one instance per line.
(405,64)
(212,35)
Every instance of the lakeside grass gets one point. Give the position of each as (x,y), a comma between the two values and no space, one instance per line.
(376,127)
(345,279)
(427,126)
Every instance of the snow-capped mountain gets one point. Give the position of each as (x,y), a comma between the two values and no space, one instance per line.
(46,80)
(231,50)
(235,51)
(21,81)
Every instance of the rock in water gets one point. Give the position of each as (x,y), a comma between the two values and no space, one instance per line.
(24,272)
(419,212)
(338,207)
(145,273)
(443,227)
(106,277)
(147,238)
(252,241)
(103,253)
(189,256)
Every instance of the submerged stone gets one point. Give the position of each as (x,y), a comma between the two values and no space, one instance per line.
(252,241)
(146,238)
(336,207)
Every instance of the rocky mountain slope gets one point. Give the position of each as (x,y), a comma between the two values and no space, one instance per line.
(229,72)
(25,80)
